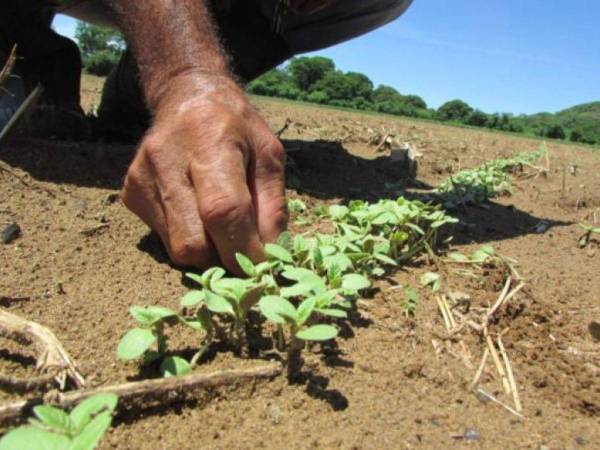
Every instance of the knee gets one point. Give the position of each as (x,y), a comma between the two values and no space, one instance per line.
(394,8)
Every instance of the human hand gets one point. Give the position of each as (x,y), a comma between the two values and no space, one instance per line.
(209,175)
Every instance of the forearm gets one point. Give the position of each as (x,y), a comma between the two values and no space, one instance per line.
(171,39)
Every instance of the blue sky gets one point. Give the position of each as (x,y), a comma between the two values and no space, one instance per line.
(519,56)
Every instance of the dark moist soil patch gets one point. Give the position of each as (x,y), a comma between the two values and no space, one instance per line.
(387,385)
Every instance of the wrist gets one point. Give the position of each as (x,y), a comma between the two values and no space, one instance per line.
(184,84)
(197,89)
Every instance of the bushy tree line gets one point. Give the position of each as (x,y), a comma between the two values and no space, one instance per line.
(316,80)
(101,48)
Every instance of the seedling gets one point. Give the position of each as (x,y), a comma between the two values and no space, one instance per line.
(53,428)
(433,280)
(476,186)
(137,342)
(283,313)
(304,280)
(588,234)
(410,301)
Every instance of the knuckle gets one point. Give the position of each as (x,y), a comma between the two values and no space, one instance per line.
(273,156)
(131,186)
(187,252)
(221,209)
(152,150)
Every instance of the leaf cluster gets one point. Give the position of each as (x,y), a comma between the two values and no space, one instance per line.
(304,286)
(478,185)
(54,429)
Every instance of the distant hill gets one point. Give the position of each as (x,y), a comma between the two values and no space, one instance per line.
(581,123)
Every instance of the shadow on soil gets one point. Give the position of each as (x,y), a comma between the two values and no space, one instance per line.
(323,169)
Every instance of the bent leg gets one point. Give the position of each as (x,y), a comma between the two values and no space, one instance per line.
(342,21)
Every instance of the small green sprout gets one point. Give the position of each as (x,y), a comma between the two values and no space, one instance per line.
(54,429)
(137,342)
(410,301)
(433,280)
(588,235)
(282,312)
(296,205)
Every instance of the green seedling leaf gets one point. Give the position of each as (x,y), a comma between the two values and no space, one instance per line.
(173,366)
(277,252)
(433,280)
(251,298)
(218,304)
(318,333)
(149,315)
(458,257)
(385,259)
(355,282)
(33,438)
(305,277)
(135,343)
(54,418)
(246,265)
(285,240)
(83,413)
(411,299)
(305,310)
(91,435)
(338,212)
(195,278)
(278,310)
(193,298)
(296,205)
(333,312)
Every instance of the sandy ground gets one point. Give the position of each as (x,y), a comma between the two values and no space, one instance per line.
(395,381)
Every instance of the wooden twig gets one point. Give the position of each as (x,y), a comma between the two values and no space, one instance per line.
(8,65)
(480,369)
(382,143)
(498,402)
(444,313)
(52,357)
(283,129)
(30,384)
(496,358)
(511,378)
(158,388)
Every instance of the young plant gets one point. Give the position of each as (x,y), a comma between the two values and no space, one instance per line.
(588,235)
(410,301)
(137,342)
(478,185)
(282,312)
(230,298)
(54,429)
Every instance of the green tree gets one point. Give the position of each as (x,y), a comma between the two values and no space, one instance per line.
(477,118)
(362,86)
(415,101)
(306,71)
(101,48)
(275,83)
(456,110)
(336,85)
(385,93)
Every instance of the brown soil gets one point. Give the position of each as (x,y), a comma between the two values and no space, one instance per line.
(394,381)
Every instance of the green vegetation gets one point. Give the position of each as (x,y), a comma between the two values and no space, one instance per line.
(316,80)
(54,429)
(588,235)
(304,285)
(475,186)
(101,48)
